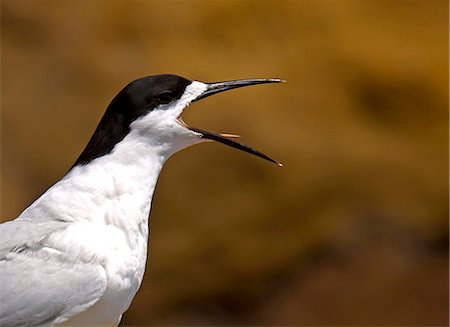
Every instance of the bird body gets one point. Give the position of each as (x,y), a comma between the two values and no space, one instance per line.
(100,212)
(77,255)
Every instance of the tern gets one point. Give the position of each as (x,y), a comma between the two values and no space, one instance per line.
(76,256)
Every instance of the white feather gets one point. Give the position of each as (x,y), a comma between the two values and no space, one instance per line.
(101,210)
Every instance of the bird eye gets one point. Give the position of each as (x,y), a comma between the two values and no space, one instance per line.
(165,97)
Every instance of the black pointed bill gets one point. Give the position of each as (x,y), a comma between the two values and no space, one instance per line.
(228,139)
(214,88)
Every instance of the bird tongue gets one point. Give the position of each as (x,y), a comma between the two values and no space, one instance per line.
(227,139)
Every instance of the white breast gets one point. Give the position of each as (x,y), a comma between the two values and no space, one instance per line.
(124,264)
(107,205)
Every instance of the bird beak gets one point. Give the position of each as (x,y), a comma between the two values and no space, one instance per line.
(227,139)
(214,88)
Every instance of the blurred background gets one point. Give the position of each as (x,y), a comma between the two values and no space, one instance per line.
(352,231)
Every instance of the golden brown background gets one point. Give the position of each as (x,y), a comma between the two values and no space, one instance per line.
(352,231)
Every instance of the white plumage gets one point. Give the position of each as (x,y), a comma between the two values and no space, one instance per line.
(86,237)
(77,255)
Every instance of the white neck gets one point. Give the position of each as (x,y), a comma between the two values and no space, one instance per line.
(115,189)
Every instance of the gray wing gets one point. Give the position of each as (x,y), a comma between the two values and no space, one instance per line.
(19,233)
(39,286)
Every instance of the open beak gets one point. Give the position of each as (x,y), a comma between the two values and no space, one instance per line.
(227,139)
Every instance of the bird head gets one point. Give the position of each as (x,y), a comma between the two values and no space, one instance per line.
(152,106)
